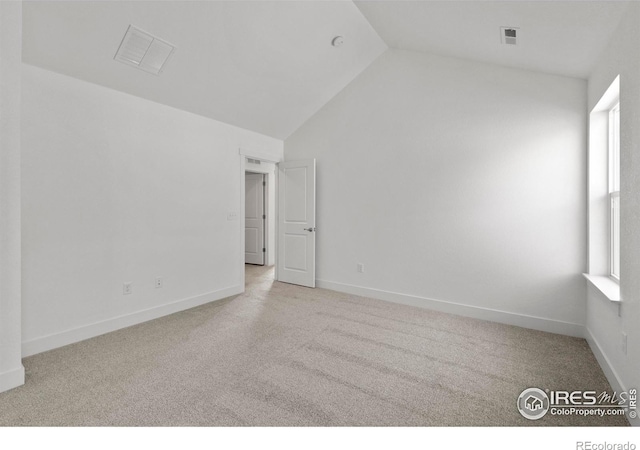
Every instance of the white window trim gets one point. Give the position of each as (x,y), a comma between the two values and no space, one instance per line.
(614,190)
(599,189)
(607,287)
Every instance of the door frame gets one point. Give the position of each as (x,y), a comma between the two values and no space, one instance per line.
(267,158)
(266,253)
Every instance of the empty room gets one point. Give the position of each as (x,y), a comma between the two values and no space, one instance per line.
(319,213)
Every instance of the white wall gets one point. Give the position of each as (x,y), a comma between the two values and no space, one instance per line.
(11,370)
(117,188)
(604,325)
(454,181)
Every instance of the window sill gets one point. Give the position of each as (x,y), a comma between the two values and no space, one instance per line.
(606,285)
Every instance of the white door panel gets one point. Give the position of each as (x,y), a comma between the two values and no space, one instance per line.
(254,219)
(297,222)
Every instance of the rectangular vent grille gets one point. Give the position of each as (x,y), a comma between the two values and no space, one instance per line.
(144,51)
(509,35)
(253,161)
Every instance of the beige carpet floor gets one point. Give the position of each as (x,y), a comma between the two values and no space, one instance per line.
(287,355)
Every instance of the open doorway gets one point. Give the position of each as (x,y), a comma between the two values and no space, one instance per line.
(259,218)
(255,219)
(293,242)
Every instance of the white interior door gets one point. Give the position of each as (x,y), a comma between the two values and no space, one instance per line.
(254,219)
(297,222)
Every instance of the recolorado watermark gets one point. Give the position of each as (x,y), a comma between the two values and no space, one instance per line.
(588,445)
(534,404)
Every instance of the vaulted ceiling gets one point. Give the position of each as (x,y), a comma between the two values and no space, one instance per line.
(558,37)
(268,66)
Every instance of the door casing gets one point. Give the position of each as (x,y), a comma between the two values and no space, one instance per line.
(267,158)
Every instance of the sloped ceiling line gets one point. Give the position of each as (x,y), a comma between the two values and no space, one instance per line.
(269,66)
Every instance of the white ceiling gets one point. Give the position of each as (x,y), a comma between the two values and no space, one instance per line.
(559,37)
(266,66)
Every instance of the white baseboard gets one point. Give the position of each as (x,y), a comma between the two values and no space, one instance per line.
(44,343)
(12,379)
(476,312)
(610,372)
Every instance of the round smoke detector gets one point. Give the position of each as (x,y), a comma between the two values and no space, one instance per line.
(337,41)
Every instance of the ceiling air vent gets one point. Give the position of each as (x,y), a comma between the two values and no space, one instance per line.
(144,51)
(509,35)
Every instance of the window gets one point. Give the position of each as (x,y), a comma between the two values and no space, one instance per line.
(614,191)
(603,271)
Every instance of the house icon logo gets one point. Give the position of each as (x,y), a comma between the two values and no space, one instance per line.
(533,403)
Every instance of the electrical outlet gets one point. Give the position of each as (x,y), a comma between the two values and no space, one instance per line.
(127,288)
(159,282)
(624,343)
(360,268)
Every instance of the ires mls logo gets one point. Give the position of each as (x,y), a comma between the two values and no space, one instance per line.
(534,403)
